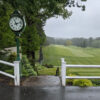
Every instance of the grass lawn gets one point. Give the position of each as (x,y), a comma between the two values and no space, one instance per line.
(47,71)
(72,55)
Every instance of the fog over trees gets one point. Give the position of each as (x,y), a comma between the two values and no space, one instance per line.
(81,42)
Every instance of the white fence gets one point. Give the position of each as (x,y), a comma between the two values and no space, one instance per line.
(64,67)
(16,75)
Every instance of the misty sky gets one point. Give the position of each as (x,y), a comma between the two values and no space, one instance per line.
(80,24)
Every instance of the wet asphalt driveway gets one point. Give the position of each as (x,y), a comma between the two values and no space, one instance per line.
(49,93)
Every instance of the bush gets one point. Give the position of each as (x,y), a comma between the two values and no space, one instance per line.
(4,55)
(9,57)
(70,81)
(12,57)
(39,66)
(27,68)
(95,82)
(82,82)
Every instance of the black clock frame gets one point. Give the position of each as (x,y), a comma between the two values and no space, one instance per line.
(17,13)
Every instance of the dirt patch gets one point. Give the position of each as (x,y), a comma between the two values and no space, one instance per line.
(42,81)
(32,81)
(4,80)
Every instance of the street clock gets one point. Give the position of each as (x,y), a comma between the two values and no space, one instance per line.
(17,22)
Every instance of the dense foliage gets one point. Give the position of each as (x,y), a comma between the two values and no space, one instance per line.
(6,36)
(27,69)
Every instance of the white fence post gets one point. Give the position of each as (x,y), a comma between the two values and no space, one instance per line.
(63,72)
(17,73)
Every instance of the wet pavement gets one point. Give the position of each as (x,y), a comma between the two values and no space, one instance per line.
(42,81)
(49,93)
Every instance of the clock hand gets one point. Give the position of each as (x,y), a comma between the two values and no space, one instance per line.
(15,22)
(18,22)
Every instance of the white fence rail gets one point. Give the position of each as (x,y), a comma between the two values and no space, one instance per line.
(64,67)
(16,75)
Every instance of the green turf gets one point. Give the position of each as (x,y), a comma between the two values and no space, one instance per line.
(72,55)
(47,71)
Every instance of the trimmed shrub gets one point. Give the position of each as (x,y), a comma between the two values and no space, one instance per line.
(82,82)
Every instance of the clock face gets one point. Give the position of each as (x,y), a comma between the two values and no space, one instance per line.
(16,23)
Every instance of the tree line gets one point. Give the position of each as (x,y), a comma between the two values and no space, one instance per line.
(81,42)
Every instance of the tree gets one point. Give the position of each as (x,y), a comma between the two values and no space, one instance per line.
(90,41)
(37,12)
(42,40)
(84,43)
(68,42)
(6,36)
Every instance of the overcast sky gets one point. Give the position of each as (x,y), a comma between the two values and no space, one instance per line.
(80,24)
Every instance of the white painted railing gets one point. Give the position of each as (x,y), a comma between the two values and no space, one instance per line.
(16,75)
(64,67)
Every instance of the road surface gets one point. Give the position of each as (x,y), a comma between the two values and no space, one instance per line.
(49,93)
